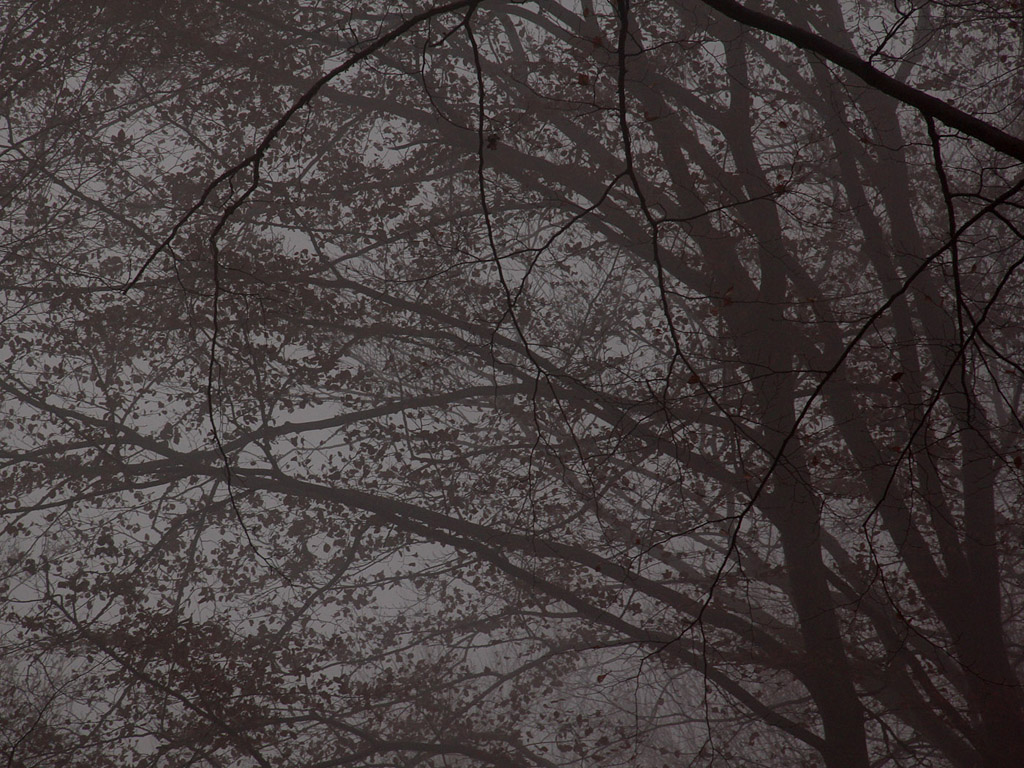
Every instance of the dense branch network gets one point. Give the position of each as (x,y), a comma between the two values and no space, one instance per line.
(552,384)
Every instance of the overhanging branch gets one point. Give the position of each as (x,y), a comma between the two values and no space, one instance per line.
(929,105)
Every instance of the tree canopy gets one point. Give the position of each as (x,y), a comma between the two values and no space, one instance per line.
(504,383)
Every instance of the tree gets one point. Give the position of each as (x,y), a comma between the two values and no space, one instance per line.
(512,384)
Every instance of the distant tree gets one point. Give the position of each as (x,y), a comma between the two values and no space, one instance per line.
(512,384)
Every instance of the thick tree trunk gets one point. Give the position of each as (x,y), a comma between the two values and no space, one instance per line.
(828,673)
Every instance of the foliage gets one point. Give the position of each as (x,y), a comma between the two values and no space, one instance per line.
(514,384)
